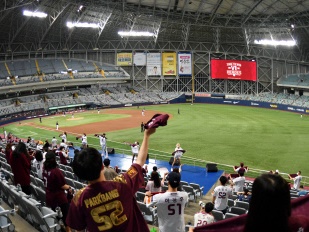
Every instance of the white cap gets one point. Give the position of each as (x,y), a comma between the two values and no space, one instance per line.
(277,170)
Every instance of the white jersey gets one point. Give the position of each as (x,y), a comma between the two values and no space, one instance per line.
(102,140)
(297,180)
(239,183)
(39,167)
(64,137)
(201,219)
(222,193)
(54,142)
(84,139)
(170,208)
(135,148)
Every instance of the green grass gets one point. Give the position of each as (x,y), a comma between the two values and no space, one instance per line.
(261,138)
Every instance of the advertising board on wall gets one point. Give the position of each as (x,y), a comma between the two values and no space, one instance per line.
(184,64)
(154,64)
(124,59)
(169,63)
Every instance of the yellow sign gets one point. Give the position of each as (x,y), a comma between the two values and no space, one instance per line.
(124,59)
(169,63)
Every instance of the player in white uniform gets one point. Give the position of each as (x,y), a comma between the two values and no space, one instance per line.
(177,154)
(170,206)
(296,180)
(134,149)
(239,182)
(221,195)
(103,139)
(63,136)
(204,217)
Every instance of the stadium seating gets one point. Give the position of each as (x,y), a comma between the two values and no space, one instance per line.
(149,213)
(5,222)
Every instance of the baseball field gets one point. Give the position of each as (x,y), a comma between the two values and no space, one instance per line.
(261,138)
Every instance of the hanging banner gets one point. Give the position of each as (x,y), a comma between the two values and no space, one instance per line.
(139,58)
(124,59)
(169,63)
(154,64)
(184,64)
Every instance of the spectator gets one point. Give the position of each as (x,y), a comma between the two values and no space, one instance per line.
(302,191)
(38,163)
(296,180)
(8,152)
(108,171)
(204,216)
(117,195)
(54,143)
(155,169)
(241,168)
(153,186)
(63,144)
(221,194)
(239,182)
(63,155)
(170,205)
(244,195)
(21,165)
(270,207)
(55,186)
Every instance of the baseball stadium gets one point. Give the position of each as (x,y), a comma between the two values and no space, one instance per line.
(226,82)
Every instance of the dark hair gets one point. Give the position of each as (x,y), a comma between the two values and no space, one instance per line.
(270,205)
(241,164)
(246,191)
(223,180)
(106,162)
(8,147)
(155,168)
(50,161)
(209,207)
(241,173)
(87,164)
(156,179)
(21,148)
(38,155)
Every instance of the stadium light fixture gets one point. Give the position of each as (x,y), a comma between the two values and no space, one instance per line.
(135,33)
(85,25)
(37,14)
(288,43)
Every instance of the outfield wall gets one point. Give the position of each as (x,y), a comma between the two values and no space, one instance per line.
(268,105)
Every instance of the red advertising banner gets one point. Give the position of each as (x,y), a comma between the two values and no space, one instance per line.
(233,69)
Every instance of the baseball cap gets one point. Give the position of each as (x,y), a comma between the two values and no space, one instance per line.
(156,121)
(173,179)
(106,162)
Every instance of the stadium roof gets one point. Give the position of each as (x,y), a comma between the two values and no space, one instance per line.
(185,21)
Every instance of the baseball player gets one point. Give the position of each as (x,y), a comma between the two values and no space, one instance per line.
(103,139)
(84,140)
(63,137)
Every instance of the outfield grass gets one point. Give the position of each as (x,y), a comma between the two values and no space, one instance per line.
(261,138)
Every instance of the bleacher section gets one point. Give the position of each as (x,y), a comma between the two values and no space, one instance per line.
(36,70)
(279,98)
(294,80)
(120,95)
